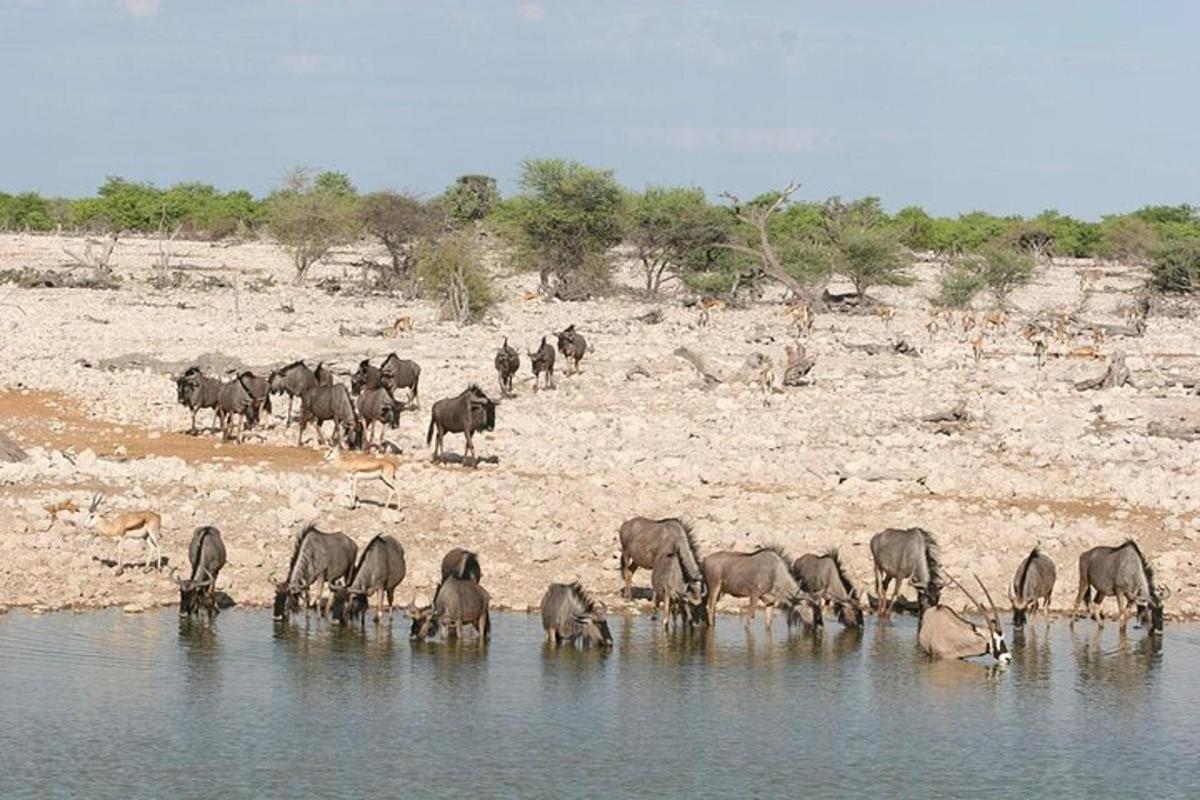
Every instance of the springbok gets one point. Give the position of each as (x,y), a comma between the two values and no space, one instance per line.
(1032,586)
(944,633)
(142,525)
(357,466)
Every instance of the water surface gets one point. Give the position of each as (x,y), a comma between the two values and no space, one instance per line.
(108,705)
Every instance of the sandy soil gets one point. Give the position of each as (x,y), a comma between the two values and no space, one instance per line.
(824,465)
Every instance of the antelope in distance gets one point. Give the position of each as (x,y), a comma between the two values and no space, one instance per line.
(644,540)
(317,557)
(943,633)
(570,613)
(1032,586)
(1124,573)
(381,569)
(763,576)
(144,526)
(206,552)
(823,576)
(358,465)
(905,554)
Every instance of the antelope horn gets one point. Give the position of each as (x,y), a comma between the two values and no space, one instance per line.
(171,575)
(970,597)
(988,595)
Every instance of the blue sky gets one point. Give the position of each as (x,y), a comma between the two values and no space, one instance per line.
(1087,106)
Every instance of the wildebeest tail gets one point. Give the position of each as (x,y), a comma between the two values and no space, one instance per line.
(429,435)
(935,568)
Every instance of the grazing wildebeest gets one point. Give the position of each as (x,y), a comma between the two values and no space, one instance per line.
(573,347)
(764,576)
(295,379)
(318,557)
(468,412)
(683,600)
(456,603)
(944,633)
(508,361)
(1032,586)
(321,403)
(462,564)
(1124,573)
(206,552)
(542,362)
(380,569)
(233,401)
(259,389)
(569,613)
(196,390)
(377,407)
(823,576)
(906,554)
(643,540)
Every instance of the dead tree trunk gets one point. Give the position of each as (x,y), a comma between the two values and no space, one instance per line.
(1117,374)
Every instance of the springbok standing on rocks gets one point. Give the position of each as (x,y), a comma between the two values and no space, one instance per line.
(136,525)
(358,465)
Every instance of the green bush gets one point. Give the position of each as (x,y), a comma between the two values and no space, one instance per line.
(450,271)
(471,198)
(870,257)
(309,218)
(1176,267)
(958,286)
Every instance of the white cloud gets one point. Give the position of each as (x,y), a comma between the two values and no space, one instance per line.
(693,138)
(532,11)
(139,8)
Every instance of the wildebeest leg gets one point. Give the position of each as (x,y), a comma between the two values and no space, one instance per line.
(750,608)
(321,434)
(1080,596)
(288,424)
(469,452)
(1094,609)
(353,490)
(879,605)
(627,568)
(710,611)
(767,611)
(303,425)
(1122,604)
(320,590)
(193,429)
(895,595)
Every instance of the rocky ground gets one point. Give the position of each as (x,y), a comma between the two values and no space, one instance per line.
(86,387)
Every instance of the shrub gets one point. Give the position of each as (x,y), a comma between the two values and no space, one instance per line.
(871,257)
(1176,267)
(471,198)
(958,286)
(309,218)
(450,271)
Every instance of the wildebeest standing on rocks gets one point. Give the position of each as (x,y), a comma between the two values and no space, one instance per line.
(322,403)
(573,347)
(295,379)
(569,613)
(467,413)
(394,373)
(542,362)
(508,361)
(196,390)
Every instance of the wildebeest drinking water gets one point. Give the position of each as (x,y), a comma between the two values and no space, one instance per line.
(462,564)
(1032,586)
(944,633)
(763,576)
(295,379)
(542,363)
(508,361)
(1124,573)
(468,412)
(456,603)
(823,576)
(318,557)
(206,552)
(573,347)
(569,613)
(683,600)
(643,540)
(908,554)
(380,569)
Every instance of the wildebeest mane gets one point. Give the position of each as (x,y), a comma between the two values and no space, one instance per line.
(832,555)
(581,594)
(778,550)
(204,532)
(1147,570)
(931,561)
(1023,570)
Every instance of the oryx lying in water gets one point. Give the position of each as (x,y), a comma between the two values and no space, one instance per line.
(1032,586)
(908,554)
(1124,573)
(944,633)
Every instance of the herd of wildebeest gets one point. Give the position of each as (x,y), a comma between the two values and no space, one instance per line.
(685,586)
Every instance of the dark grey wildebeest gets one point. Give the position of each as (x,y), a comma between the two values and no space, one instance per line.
(196,390)
(380,569)
(467,413)
(906,554)
(295,379)
(508,361)
(570,613)
(394,373)
(206,552)
(259,389)
(377,407)
(763,576)
(234,402)
(320,404)
(1124,573)
(456,603)
(944,633)
(643,540)
(462,564)
(683,599)
(317,557)
(573,347)
(542,362)
(823,576)
(1032,586)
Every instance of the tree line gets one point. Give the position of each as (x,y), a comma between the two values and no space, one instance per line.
(566,219)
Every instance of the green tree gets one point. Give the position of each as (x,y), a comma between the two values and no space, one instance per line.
(1003,269)
(1176,267)
(1127,238)
(673,230)
(914,228)
(27,211)
(335,183)
(870,257)
(309,220)
(450,271)
(471,198)
(958,285)
(398,221)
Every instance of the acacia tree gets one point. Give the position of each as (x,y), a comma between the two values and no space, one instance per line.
(310,217)
(871,257)
(673,230)
(398,221)
(471,198)
(756,239)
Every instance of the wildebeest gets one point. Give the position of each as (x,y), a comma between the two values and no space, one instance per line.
(508,361)
(196,390)
(763,576)
(377,407)
(259,389)
(1121,572)
(824,577)
(321,403)
(317,557)
(569,613)
(295,379)
(394,373)
(944,633)
(573,347)
(683,599)
(462,564)
(643,540)
(1032,586)
(906,554)
(380,568)
(234,400)
(468,412)
(206,552)
(542,362)
(456,603)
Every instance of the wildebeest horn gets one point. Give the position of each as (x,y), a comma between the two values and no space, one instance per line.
(988,595)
